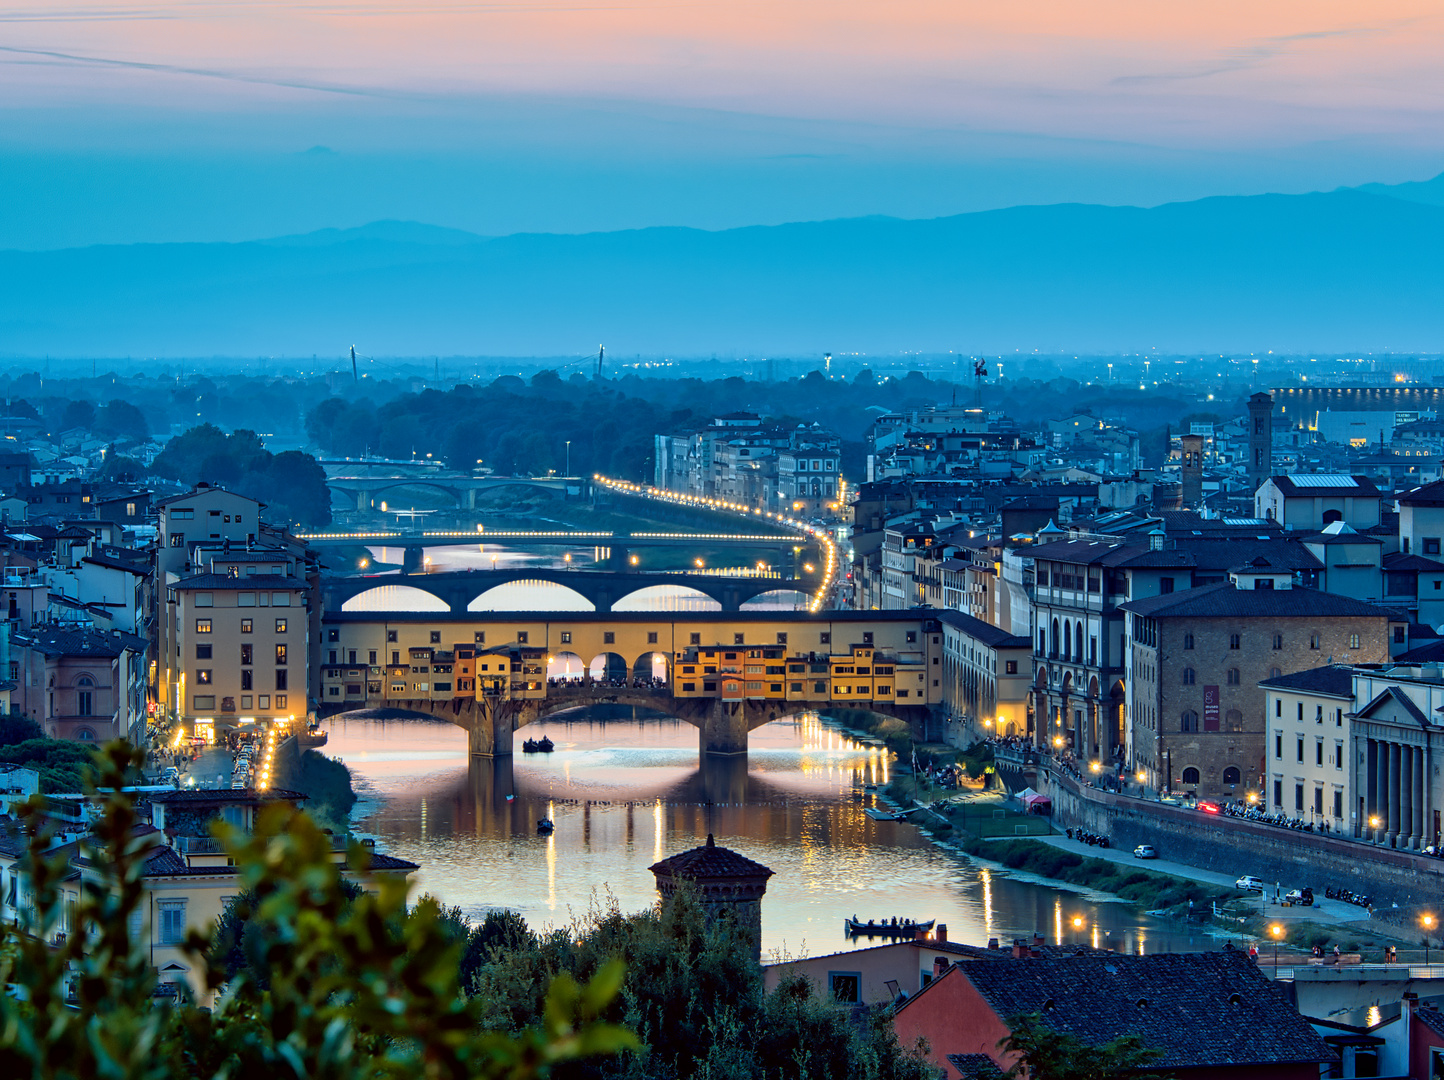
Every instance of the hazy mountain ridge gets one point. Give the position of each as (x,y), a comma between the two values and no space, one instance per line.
(1326,271)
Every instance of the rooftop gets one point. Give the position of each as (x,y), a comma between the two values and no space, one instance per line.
(1332,681)
(1223,600)
(710,861)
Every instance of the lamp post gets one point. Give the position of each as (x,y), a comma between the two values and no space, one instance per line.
(1428,923)
(1276,931)
(569,457)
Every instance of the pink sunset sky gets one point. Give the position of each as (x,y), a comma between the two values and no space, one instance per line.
(1031,99)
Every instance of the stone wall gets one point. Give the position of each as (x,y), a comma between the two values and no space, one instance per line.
(1236,847)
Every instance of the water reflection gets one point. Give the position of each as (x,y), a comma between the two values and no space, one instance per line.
(795,802)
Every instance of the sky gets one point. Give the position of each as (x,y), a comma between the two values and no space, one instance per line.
(204,120)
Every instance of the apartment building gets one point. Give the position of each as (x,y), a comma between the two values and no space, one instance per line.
(987,676)
(78,682)
(1307,748)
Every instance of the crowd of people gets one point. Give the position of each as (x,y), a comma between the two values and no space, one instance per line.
(636,682)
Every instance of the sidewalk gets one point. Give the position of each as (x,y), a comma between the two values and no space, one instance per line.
(1328,912)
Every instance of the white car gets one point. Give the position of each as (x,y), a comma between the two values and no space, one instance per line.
(1145,851)
(1249,883)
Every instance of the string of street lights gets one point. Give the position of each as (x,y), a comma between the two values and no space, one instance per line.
(829,546)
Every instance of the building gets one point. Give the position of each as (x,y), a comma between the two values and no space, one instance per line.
(77,682)
(1396,740)
(1308,745)
(728,885)
(1212,1015)
(1196,659)
(1260,440)
(1309,501)
(987,677)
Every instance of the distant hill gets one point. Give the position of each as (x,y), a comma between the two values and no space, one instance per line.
(1341,270)
(1424,191)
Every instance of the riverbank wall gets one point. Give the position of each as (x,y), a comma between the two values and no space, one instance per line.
(1236,846)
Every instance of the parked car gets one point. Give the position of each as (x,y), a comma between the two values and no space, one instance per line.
(1301,897)
(1249,883)
(1145,851)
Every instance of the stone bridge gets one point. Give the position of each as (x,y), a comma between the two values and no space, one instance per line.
(491,722)
(368,492)
(454,592)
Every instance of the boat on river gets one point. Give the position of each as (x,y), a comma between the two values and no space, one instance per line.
(538,746)
(545,826)
(907,929)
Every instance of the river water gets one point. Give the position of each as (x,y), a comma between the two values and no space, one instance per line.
(626,793)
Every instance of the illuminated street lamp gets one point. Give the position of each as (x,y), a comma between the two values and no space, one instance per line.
(1077,922)
(1428,922)
(1276,931)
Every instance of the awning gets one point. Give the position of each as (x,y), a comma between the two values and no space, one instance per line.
(1035,799)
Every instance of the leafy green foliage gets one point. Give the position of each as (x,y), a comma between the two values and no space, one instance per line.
(64,766)
(1045,1054)
(15,729)
(357,986)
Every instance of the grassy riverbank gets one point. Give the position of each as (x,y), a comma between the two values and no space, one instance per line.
(1150,889)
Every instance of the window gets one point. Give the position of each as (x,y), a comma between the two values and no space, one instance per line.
(846,986)
(280,701)
(1233,720)
(1188,641)
(1165,585)
(1300,750)
(1299,798)
(521,637)
(652,637)
(1353,641)
(280,678)
(246,653)
(1279,794)
(819,688)
(436,637)
(738,639)
(83,702)
(1313,641)
(1339,717)
(1011,667)
(609,637)
(1274,672)
(479,637)
(1338,803)
(246,625)
(203,626)
(205,599)
(1278,745)
(203,652)
(172,921)
(912,637)
(205,702)
(1278,641)
(1231,775)
(1431,545)
(1233,677)
(372,657)
(391,636)
(203,677)
(1190,775)
(688,687)
(1189,722)
(1318,714)
(824,638)
(1300,716)
(246,678)
(263,701)
(1319,757)
(280,626)
(246,599)
(1278,707)
(281,654)
(1399,633)
(1188,676)
(781,637)
(695,639)
(1235,641)
(566,637)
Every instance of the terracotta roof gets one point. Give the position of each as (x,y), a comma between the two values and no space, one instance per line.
(1223,600)
(381,861)
(710,861)
(55,641)
(1432,1019)
(975,1067)
(1200,1009)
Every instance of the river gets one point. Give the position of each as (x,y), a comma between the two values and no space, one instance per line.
(627,793)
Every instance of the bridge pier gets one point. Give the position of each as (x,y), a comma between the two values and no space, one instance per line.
(491,728)
(724,728)
(413,559)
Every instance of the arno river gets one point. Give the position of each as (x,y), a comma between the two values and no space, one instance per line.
(625,794)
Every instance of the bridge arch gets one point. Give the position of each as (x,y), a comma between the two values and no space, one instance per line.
(395,598)
(653,667)
(378,494)
(778,600)
(531,594)
(667,598)
(609,667)
(566,667)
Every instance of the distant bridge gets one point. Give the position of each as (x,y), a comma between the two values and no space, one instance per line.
(369,492)
(454,592)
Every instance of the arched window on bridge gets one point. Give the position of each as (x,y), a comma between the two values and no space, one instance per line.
(566,667)
(608,668)
(650,670)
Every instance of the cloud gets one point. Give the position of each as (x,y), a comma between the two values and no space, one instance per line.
(1243,57)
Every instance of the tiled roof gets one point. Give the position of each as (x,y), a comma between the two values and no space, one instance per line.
(710,861)
(1200,1009)
(1223,600)
(1432,1019)
(1432,653)
(54,641)
(975,1067)
(1400,561)
(1335,681)
(380,861)
(1426,495)
(987,633)
(1325,484)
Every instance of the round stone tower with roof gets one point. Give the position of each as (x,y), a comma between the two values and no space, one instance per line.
(728,884)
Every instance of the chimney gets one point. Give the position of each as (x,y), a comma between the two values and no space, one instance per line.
(1407,1006)
(993,943)
(940,966)
(1020,949)
(1038,941)
(941,933)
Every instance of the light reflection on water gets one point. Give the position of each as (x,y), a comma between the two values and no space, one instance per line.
(624,794)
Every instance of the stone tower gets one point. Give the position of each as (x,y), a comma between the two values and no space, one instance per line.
(1260,441)
(725,882)
(1191,497)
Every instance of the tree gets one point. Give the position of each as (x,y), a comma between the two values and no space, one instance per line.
(1047,1054)
(119,468)
(16,729)
(120,420)
(77,414)
(357,985)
